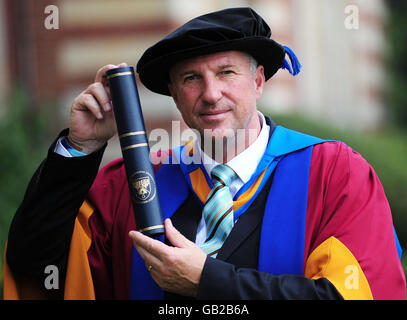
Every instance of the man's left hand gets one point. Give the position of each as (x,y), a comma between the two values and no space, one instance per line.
(175,269)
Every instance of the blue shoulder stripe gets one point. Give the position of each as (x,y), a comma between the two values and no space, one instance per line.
(284,141)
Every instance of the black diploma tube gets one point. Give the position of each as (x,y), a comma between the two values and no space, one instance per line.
(135,150)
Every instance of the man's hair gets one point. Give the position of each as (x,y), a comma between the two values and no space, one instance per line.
(252,62)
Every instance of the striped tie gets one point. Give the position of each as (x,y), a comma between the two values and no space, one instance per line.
(218,210)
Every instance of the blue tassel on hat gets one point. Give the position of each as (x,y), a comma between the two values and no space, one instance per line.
(296,65)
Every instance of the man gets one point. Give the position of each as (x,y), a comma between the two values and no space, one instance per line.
(288,216)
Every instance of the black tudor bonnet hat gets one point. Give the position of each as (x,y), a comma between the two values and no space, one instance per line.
(239,29)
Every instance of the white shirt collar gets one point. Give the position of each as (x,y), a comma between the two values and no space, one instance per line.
(246,162)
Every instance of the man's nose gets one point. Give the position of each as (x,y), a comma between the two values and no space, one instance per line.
(212,91)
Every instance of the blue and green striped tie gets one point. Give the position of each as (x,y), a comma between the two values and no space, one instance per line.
(218,210)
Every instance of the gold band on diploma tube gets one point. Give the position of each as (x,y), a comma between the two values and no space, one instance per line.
(151,228)
(138,145)
(134,133)
(119,74)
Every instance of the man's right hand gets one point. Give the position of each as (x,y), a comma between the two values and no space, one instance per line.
(92,121)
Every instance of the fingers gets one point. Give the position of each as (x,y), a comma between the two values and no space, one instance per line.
(101,73)
(96,97)
(87,102)
(149,259)
(148,250)
(157,247)
(174,269)
(100,87)
(174,236)
(99,93)
(154,247)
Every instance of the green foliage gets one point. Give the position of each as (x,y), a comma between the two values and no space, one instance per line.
(397,84)
(21,151)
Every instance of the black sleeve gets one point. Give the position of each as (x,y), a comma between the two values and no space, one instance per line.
(42,227)
(222,280)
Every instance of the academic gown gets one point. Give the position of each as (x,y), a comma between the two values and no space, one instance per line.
(348,238)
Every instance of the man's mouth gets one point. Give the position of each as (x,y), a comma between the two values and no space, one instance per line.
(213,115)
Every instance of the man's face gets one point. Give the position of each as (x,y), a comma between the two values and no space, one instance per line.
(218,92)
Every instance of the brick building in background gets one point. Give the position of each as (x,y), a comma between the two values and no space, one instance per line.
(341,81)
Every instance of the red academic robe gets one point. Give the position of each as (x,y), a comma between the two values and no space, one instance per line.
(349,235)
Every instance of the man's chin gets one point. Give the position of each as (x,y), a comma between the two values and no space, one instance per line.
(219,133)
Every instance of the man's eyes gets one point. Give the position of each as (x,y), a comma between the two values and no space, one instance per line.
(226,72)
(190,78)
(193,77)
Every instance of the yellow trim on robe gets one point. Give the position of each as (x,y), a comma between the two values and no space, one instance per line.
(334,261)
(17,287)
(199,184)
(78,282)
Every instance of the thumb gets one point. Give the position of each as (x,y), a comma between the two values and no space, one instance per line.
(174,236)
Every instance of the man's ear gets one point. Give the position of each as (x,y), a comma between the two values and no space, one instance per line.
(260,80)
